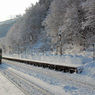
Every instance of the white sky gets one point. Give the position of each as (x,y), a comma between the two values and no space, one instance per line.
(10,8)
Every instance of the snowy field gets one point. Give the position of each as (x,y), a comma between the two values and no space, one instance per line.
(55,82)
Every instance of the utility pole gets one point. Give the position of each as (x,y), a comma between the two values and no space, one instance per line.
(31,38)
(60,37)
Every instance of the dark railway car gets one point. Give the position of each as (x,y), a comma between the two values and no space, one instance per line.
(0,56)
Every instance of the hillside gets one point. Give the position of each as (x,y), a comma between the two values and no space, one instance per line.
(5,26)
(57,26)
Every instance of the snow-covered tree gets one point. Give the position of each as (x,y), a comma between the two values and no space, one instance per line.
(72,27)
(64,17)
(2,44)
(88,24)
(13,39)
(54,19)
(63,24)
(28,27)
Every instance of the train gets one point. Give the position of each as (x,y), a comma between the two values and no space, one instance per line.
(0,55)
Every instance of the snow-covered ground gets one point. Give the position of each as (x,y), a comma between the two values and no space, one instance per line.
(7,88)
(56,82)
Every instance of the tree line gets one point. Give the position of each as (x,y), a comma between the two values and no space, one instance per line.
(61,25)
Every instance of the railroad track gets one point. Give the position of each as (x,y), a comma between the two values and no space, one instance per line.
(84,84)
(48,65)
(66,78)
(24,85)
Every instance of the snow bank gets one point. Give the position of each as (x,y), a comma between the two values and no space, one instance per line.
(89,70)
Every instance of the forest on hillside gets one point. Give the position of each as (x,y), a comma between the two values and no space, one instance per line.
(60,26)
(4,28)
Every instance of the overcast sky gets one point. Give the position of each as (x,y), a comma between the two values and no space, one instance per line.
(10,8)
